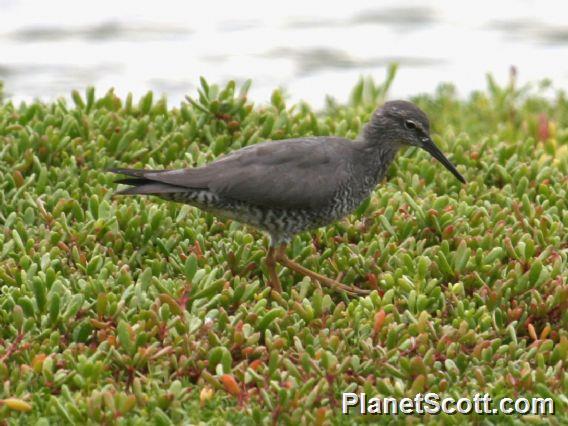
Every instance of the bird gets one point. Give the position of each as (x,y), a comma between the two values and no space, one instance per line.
(289,186)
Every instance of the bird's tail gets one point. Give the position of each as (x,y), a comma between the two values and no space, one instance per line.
(140,185)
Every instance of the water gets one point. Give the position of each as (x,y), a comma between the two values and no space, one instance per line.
(309,48)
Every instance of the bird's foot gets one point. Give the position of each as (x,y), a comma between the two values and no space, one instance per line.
(280,256)
(337,286)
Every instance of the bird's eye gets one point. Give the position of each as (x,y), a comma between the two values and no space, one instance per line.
(410,124)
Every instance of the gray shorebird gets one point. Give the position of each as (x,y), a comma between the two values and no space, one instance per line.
(289,186)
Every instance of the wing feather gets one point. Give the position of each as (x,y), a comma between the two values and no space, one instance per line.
(293,173)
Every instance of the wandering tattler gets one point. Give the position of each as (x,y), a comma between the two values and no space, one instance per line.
(289,186)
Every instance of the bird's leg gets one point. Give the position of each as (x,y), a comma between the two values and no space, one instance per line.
(271,266)
(281,257)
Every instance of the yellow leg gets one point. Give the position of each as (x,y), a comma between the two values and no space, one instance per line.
(271,266)
(280,256)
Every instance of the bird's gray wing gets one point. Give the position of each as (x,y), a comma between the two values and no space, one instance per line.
(293,173)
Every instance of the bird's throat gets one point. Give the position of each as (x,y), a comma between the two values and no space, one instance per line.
(376,159)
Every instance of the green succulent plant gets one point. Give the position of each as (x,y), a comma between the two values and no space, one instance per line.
(151,312)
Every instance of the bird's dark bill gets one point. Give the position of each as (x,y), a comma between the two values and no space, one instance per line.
(435,152)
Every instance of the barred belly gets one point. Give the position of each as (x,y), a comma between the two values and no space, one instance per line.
(281,224)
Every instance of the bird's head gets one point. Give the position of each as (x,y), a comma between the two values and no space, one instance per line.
(401,123)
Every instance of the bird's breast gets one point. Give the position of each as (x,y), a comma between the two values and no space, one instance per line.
(348,197)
